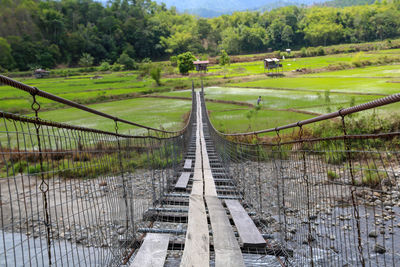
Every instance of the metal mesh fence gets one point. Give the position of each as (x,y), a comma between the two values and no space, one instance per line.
(74,196)
(330,201)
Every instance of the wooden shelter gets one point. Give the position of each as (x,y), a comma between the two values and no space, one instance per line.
(271,64)
(40,73)
(201,65)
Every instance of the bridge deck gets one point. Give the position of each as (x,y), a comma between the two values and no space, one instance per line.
(218,243)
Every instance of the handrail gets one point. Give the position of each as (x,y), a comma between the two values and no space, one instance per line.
(36,91)
(342,112)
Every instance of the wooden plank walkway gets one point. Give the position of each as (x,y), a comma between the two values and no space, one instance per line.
(197,242)
(248,231)
(152,252)
(183,181)
(188,164)
(227,248)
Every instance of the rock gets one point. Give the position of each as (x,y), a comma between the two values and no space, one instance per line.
(81,239)
(373,234)
(313,217)
(379,249)
(121,230)
(376,194)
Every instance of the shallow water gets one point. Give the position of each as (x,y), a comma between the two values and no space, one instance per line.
(23,250)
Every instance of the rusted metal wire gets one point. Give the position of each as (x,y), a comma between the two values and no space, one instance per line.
(332,201)
(72,196)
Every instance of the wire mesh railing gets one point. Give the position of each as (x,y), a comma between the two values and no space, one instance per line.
(76,196)
(330,200)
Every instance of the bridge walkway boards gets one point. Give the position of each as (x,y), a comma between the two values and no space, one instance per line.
(215,235)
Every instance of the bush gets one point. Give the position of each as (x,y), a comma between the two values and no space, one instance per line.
(332,175)
(185,62)
(145,69)
(35,169)
(155,74)
(20,167)
(224,58)
(127,62)
(86,60)
(146,60)
(81,156)
(303,52)
(371,176)
(174,61)
(320,51)
(117,67)
(104,66)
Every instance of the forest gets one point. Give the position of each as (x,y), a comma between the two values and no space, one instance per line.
(50,33)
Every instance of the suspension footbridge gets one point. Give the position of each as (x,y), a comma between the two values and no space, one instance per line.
(75,196)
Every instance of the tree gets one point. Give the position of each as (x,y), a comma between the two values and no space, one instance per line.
(224,60)
(6,59)
(287,35)
(185,62)
(86,60)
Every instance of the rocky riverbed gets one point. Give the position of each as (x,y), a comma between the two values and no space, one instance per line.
(309,213)
(102,213)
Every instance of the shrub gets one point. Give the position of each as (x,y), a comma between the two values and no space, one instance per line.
(104,66)
(36,169)
(174,61)
(146,60)
(224,58)
(303,52)
(336,158)
(20,166)
(332,175)
(86,60)
(320,51)
(371,176)
(116,67)
(284,54)
(145,69)
(81,156)
(155,74)
(127,62)
(185,62)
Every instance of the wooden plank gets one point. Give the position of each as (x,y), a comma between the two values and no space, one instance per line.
(182,181)
(152,252)
(188,164)
(197,243)
(226,247)
(248,231)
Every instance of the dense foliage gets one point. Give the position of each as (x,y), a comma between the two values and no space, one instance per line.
(47,33)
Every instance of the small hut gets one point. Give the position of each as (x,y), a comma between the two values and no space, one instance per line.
(272,64)
(40,73)
(201,65)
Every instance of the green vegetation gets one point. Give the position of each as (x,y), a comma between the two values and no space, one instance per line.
(185,62)
(371,176)
(332,175)
(60,32)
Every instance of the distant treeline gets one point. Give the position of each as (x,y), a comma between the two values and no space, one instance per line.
(47,33)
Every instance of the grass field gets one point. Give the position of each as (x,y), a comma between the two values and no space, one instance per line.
(165,114)
(285,100)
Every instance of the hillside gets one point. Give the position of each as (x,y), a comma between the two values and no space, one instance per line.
(212,8)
